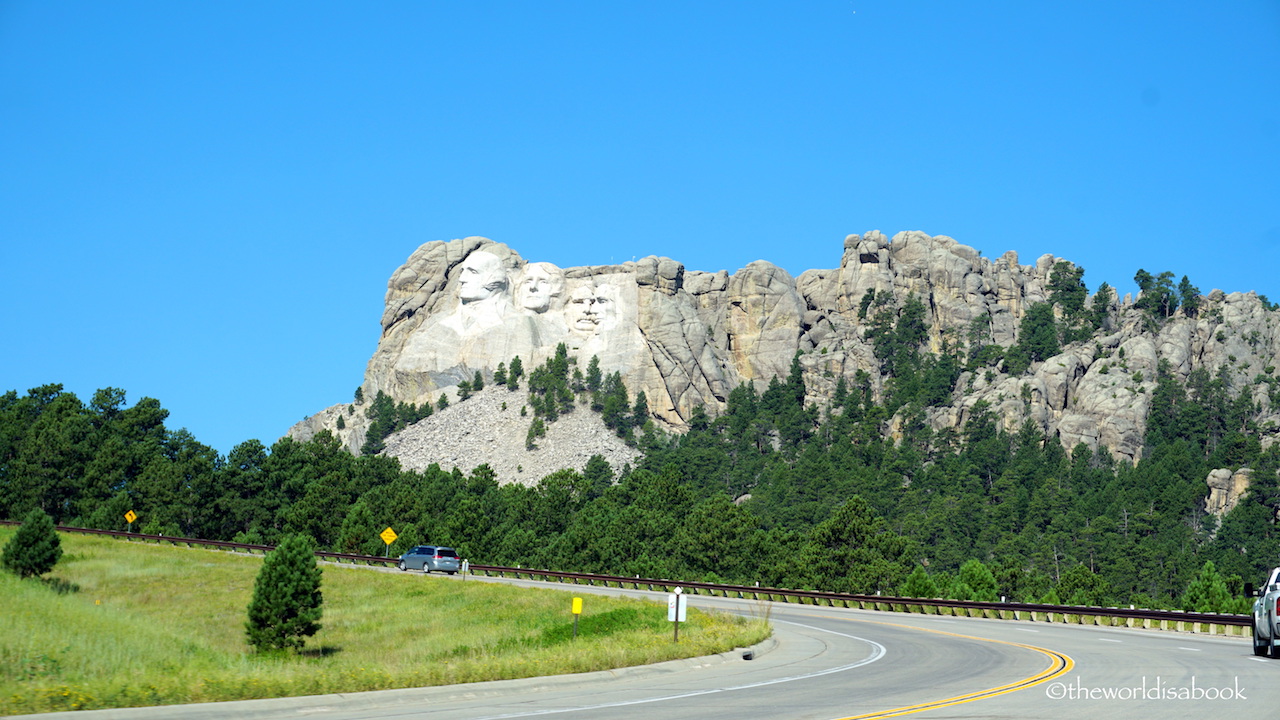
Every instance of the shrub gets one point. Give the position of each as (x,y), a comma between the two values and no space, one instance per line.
(919,585)
(35,548)
(977,577)
(286,597)
(537,429)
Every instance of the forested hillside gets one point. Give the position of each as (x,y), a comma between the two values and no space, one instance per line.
(772,491)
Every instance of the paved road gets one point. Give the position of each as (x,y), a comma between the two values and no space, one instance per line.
(827,664)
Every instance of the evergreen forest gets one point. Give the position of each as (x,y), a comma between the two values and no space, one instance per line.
(774,490)
(770,491)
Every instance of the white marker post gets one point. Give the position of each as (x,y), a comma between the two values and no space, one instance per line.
(676,604)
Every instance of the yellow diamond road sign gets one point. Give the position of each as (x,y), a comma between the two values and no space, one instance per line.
(130,516)
(388,536)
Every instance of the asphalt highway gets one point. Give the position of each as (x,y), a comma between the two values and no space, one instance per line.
(832,664)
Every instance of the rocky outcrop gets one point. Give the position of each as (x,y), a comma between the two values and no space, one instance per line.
(686,338)
(1225,490)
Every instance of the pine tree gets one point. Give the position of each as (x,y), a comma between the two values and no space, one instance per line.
(1190,296)
(537,429)
(978,577)
(1066,288)
(640,411)
(35,548)
(286,597)
(594,377)
(1100,305)
(1208,592)
(514,372)
(1156,294)
(919,585)
(382,422)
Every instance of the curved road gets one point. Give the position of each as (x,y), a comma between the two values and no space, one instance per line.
(833,664)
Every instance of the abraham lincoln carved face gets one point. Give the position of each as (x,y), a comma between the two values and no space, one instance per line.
(592,309)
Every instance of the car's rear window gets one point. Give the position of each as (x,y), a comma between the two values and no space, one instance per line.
(446,552)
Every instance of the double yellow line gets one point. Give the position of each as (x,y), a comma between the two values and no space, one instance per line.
(1059,665)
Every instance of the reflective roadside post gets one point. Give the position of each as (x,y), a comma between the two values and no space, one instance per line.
(577,611)
(676,604)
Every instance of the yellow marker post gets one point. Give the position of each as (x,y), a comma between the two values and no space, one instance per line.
(388,536)
(577,610)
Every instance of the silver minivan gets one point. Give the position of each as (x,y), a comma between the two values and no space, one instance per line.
(430,557)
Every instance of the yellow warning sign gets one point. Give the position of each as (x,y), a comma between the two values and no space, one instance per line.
(388,536)
(130,516)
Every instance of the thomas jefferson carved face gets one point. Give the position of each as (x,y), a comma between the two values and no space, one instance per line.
(542,283)
(592,309)
(480,277)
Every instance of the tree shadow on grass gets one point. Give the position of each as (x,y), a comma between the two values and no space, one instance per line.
(320,652)
(60,586)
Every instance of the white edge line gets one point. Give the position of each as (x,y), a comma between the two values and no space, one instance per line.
(877,653)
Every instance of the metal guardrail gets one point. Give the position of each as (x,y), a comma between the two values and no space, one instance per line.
(1007,610)
(1166,619)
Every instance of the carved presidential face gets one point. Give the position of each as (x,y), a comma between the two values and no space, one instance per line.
(542,283)
(480,276)
(592,309)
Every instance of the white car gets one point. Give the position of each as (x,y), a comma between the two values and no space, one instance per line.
(1266,617)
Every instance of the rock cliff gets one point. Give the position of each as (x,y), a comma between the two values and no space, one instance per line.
(686,338)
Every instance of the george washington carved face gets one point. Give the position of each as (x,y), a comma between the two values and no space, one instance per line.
(481,276)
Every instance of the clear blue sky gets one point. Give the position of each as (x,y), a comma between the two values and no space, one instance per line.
(202,202)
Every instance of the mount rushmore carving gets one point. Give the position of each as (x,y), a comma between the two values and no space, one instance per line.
(495,308)
(686,338)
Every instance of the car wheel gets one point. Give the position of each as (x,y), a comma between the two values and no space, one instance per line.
(402,566)
(453,572)
(1259,648)
(426,568)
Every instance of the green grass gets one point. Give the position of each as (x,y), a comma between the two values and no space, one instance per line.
(124,624)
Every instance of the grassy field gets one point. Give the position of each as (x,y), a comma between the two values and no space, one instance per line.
(124,624)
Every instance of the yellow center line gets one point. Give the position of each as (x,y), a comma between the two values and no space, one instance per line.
(1059,664)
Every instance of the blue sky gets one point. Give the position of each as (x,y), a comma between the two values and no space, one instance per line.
(202,202)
